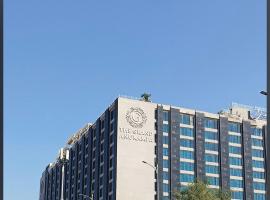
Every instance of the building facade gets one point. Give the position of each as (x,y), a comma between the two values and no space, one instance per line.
(138,150)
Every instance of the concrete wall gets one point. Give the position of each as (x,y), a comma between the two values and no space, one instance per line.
(136,143)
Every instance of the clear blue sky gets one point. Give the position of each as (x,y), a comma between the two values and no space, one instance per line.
(66,61)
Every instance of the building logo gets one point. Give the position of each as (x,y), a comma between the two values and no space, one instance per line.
(136,117)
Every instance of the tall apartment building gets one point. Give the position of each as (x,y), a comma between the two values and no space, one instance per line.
(138,150)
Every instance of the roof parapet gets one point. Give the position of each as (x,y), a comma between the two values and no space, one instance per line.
(77,136)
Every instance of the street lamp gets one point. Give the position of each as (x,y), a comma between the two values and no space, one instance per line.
(85,196)
(156,171)
(264,93)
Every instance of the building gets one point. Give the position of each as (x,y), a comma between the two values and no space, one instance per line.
(138,150)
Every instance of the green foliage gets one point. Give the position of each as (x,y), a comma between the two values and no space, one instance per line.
(146,97)
(200,191)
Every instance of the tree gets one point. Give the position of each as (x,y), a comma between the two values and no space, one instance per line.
(146,97)
(200,191)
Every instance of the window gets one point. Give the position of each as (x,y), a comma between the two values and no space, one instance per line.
(165,175)
(187,166)
(112,115)
(257,142)
(258,186)
(211,158)
(235,161)
(166,128)
(213,180)
(211,135)
(256,131)
(165,164)
(236,183)
(187,143)
(235,139)
(237,195)
(257,164)
(165,140)
(211,169)
(187,154)
(165,152)
(259,196)
(165,116)
(186,119)
(257,153)
(210,123)
(259,175)
(187,131)
(165,187)
(211,146)
(235,150)
(236,172)
(186,178)
(111,127)
(234,127)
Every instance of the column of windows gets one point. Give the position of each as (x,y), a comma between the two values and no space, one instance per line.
(236,160)
(211,152)
(186,150)
(166,156)
(258,166)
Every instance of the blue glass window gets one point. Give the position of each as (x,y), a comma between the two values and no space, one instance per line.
(256,131)
(258,186)
(235,139)
(235,150)
(257,153)
(187,166)
(257,163)
(211,135)
(187,131)
(165,164)
(236,172)
(237,195)
(234,127)
(211,158)
(165,139)
(165,187)
(236,183)
(187,154)
(213,180)
(211,169)
(211,146)
(258,196)
(235,161)
(210,123)
(257,142)
(165,116)
(165,175)
(186,178)
(186,143)
(186,119)
(166,128)
(259,175)
(165,152)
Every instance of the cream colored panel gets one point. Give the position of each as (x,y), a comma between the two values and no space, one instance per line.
(136,133)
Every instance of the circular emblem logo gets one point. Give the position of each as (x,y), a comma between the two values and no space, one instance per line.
(136,117)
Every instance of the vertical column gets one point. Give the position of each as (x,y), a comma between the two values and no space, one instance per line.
(106,156)
(174,149)
(247,157)
(267,161)
(89,162)
(224,154)
(159,149)
(115,148)
(97,162)
(199,146)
